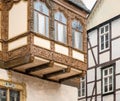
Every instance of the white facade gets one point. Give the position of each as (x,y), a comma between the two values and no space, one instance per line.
(97,87)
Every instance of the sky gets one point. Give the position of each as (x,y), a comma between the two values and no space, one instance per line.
(89,3)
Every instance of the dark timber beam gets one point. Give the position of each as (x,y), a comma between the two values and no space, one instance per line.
(40,67)
(65,70)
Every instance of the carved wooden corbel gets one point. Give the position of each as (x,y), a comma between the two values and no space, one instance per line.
(6,5)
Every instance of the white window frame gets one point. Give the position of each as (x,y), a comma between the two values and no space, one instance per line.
(103,35)
(107,77)
(82,87)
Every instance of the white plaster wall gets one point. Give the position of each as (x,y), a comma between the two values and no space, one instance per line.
(41,90)
(108,98)
(18,43)
(89,99)
(116,48)
(118,96)
(93,38)
(18,19)
(78,55)
(42,42)
(98,73)
(95,53)
(118,82)
(4,74)
(104,57)
(61,49)
(115,28)
(99,87)
(98,98)
(118,66)
(91,61)
(90,89)
(90,75)
(104,12)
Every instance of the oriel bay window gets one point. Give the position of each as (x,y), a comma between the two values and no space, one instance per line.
(77,37)
(60,27)
(41,18)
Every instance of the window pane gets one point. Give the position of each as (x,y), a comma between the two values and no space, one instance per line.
(47,27)
(110,80)
(83,92)
(14,95)
(41,24)
(105,81)
(60,32)
(106,44)
(102,46)
(106,37)
(102,30)
(41,7)
(105,72)
(110,71)
(36,21)
(77,25)
(102,39)
(106,28)
(59,16)
(77,40)
(106,89)
(3,95)
(110,87)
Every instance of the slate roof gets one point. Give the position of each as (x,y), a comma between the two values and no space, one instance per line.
(79,4)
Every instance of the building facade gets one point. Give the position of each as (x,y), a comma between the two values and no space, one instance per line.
(102,82)
(43,49)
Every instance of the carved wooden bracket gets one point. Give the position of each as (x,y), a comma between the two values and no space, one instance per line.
(6,5)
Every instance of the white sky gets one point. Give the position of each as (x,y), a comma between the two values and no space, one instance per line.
(89,3)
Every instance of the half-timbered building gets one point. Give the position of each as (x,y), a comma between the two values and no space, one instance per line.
(43,49)
(102,82)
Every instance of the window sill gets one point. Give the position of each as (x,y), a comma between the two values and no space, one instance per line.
(109,93)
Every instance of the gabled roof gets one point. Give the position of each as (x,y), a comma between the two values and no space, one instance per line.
(79,4)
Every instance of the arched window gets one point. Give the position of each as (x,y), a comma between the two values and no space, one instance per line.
(41,18)
(77,37)
(60,27)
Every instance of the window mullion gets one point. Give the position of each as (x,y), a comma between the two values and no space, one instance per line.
(8,94)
